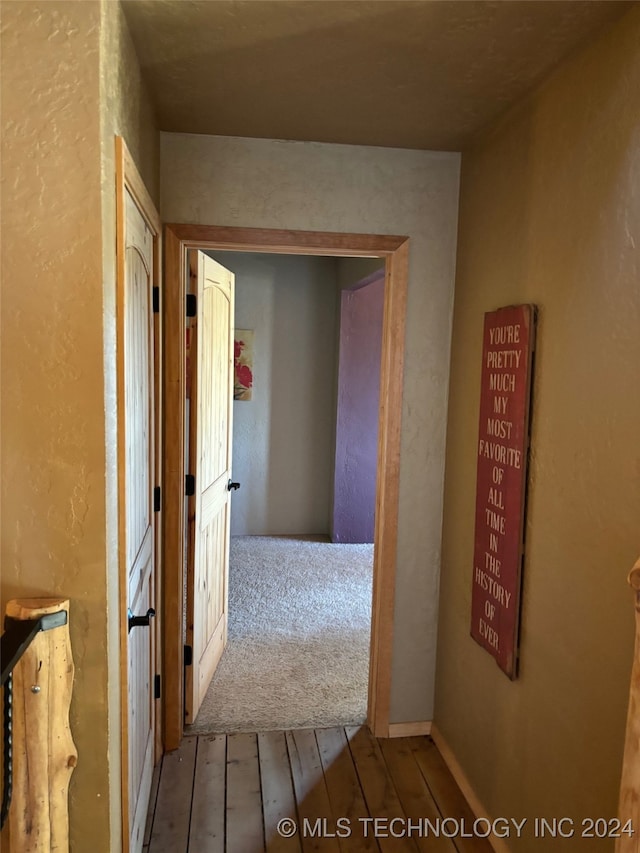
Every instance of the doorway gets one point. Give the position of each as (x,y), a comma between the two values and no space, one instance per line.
(179,239)
(299,593)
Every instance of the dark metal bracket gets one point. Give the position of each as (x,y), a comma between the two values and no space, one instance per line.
(20,632)
(140,621)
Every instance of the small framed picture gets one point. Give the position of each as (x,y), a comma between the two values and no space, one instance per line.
(243,364)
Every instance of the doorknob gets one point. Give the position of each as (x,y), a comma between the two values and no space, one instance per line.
(140,621)
(231,486)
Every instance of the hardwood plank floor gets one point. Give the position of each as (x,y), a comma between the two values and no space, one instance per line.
(308,791)
(278,798)
(209,796)
(244,826)
(172,816)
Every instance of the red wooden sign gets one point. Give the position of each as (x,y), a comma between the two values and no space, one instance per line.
(503,443)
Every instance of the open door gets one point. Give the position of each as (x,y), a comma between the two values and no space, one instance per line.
(356,454)
(138,490)
(179,239)
(210,425)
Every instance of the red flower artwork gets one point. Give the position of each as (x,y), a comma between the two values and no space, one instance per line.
(244,376)
(243,363)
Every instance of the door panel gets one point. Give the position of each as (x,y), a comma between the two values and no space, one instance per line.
(358,411)
(137,437)
(210,460)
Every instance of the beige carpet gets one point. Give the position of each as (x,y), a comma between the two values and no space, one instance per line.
(298,649)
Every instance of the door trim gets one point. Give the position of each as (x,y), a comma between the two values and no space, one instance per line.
(178,240)
(129,179)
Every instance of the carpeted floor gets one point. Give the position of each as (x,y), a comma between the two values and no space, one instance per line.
(298,649)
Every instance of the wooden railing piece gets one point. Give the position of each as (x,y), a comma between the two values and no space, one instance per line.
(44,753)
(629,810)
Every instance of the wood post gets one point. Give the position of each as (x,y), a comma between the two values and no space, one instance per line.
(44,753)
(629,810)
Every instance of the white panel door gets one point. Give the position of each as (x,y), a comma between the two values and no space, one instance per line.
(137,431)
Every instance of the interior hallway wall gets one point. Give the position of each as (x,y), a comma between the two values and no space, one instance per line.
(348,188)
(550,214)
(283,436)
(59,512)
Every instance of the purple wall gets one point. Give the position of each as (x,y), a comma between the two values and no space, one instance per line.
(357,418)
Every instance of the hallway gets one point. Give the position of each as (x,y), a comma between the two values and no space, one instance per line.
(228,793)
(490,153)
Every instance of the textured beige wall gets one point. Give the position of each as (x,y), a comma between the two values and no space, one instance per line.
(283,436)
(126,107)
(273,184)
(53,449)
(550,214)
(60,110)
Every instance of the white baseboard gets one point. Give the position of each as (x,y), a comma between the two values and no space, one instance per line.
(410,729)
(499,844)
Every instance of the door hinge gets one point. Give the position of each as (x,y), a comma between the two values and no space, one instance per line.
(188,655)
(189,485)
(156,300)
(156,687)
(157,499)
(192,305)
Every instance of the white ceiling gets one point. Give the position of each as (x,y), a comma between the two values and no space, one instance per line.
(426,74)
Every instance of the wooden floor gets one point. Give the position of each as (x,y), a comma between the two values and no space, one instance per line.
(229,793)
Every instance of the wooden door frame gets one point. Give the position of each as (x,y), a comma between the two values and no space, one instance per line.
(129,179)
(178,240)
